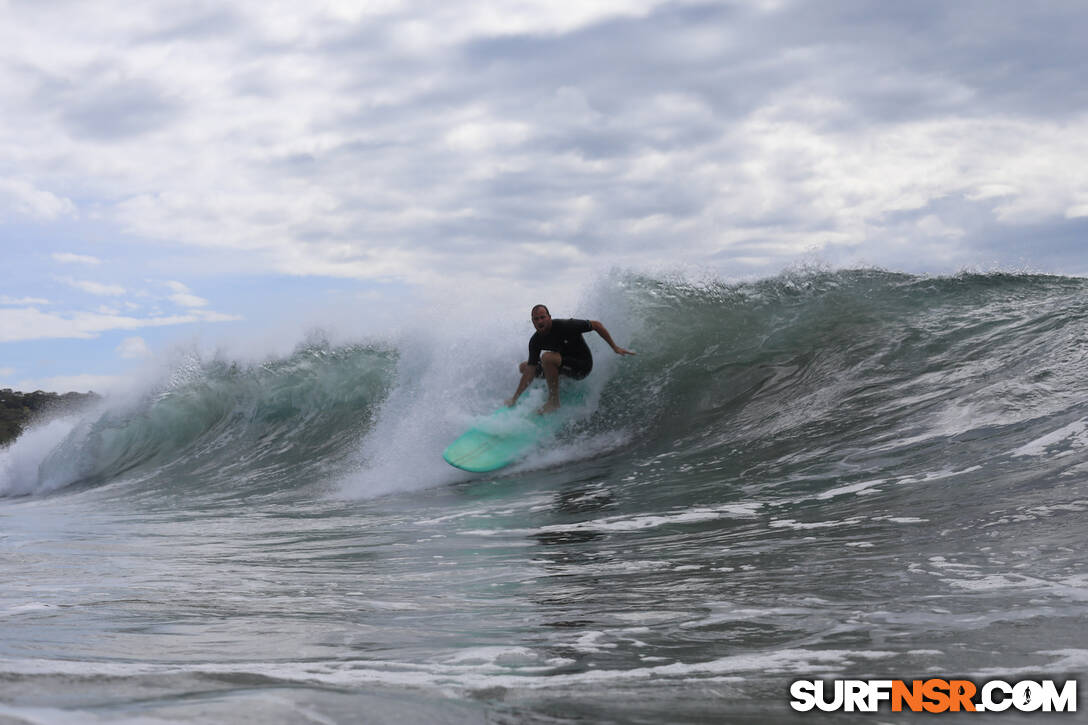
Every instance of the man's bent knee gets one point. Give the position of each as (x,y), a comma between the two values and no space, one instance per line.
(551,358)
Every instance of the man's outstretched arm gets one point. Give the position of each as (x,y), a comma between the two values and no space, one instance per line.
(600,330)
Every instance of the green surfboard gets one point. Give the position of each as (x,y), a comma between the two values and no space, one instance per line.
(499,439)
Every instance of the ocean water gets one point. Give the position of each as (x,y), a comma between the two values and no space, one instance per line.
(825,474)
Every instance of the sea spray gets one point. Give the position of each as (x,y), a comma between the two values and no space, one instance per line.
(215,423)
(20,461)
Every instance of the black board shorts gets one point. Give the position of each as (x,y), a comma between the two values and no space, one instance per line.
(571,367)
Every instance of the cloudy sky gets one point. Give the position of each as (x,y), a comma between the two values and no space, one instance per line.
(173,169)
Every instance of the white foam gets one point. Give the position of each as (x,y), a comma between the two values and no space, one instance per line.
(554,454)
(1068,660)
(477,668)
(1070,589)
(20,462)
(504,657)
(590,643)
(56,716)
(452,517)
(974,578)
(861,488)
(727,613)
(901,519)
(937,475)
(794,524)
(634,523)
(1073,432)
(652,617)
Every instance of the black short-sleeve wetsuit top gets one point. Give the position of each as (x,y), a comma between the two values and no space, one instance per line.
(565,338)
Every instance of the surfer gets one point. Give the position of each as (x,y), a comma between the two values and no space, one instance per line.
(557,348)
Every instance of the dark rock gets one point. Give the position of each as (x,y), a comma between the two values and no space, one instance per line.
(18,410)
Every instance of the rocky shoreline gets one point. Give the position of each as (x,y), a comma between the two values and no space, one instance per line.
(17,410)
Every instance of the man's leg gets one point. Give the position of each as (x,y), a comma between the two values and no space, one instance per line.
(551,361)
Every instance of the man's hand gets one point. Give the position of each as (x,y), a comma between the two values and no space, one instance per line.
(511,402)
(600,330)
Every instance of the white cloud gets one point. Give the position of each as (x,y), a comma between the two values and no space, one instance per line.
(1078,211)
(132,348)
(69,258)
(183,297)
(22,301)
(31,324)
(188,300)
(209,316)
(421,141)
(934,227)
(94,288)
(25,199)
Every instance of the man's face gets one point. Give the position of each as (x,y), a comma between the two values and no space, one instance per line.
(542,321)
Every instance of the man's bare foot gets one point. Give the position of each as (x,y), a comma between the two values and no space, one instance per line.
(550,406)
